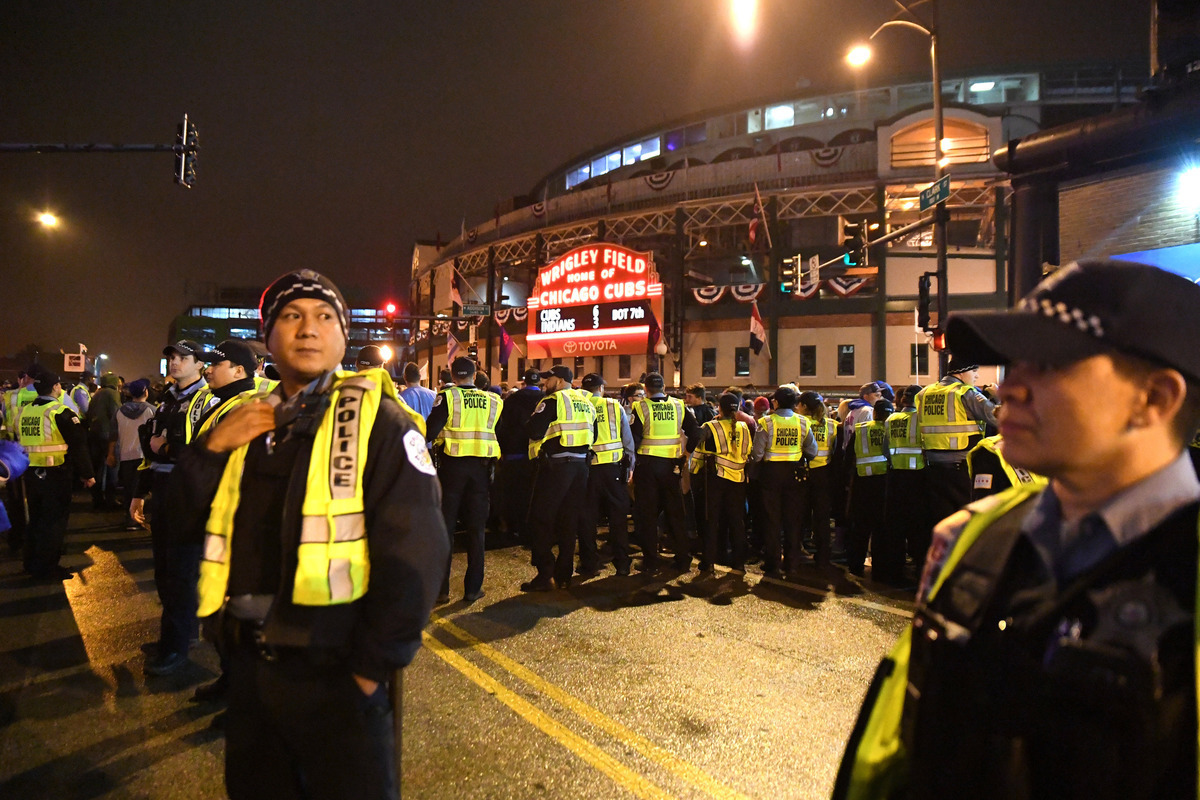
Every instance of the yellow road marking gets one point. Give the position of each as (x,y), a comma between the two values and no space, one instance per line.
(651,751)
(622,775)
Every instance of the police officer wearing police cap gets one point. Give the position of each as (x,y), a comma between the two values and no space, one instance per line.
(56,444)
(561,432)
(611,460)
(463,424)
(323,564)
(1053,647)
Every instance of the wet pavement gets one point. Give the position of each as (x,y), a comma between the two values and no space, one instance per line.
(673,686)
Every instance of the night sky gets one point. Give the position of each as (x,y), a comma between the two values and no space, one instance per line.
(335,134)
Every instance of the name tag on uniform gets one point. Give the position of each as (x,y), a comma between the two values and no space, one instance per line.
(983,481)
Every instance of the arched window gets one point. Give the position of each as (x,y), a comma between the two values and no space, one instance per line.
(963,142)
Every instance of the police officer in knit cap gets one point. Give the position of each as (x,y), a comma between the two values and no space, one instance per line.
(463,425)
(324,564)
(1053,646)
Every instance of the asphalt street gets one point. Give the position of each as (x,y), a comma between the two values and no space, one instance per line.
(666,687)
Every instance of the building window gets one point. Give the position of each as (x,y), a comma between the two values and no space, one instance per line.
(579,366)
(640,151)
(741,361)
(918,359)
(557,362)
(598,361)
(504,371)
(964,142)
(623,368)
(578,175)
(243,333)
(808,361)
(708,362)
(521,368)
(781,116)
(606,163)
(845,359)
(682,137)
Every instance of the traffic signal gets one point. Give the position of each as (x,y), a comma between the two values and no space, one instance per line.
(937,339)
(187,142)
(923,302)
(789,275)
(854,242)
(389,314)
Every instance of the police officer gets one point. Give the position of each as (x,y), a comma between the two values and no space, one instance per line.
(229,379)
(868,492)
(176,563)
(561,431)
(816,490)
(296,524)
(611,461)
(14,499)
(990,471)
(660,424)
(783,441)
(514,471)
(56,444)
(463,421)
(369,357)
(725,443)
(906,516)
(952,415)
(1052,650)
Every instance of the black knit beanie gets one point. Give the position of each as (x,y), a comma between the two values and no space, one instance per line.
(298,285)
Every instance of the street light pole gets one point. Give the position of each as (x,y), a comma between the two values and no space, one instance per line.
(858,57)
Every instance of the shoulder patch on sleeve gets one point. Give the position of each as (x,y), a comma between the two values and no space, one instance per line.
(437,399)
(418,456)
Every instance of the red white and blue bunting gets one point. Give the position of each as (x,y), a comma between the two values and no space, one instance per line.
(659,180)
(502,314)
(808,290)
(826,156)
(707,295)
(845,287)
(746,292)
(519,314)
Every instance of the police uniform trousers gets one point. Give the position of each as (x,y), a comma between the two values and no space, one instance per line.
(48,492)
(514,482)
(607,494)
(948,487)
(868,496)
(907,515)
(726,514)
(465,482)
(299,726)
(781,504)
(696,502)
(816,503)
(176,572)
(656,488)
(104,491)
(558,495)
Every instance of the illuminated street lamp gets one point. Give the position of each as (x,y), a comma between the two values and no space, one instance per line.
(47,220)
(859,56)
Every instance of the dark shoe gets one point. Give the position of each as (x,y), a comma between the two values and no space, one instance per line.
(859,570)
(537,585)
(442,599)
(151,648)
(623,570)
(587,574)
(213,692)
(473,596)
(684,564)
(166,664)
(562,583)
(55,573)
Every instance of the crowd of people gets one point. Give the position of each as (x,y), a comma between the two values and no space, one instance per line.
(307,516)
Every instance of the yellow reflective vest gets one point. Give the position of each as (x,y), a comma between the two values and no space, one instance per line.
(1016,475)
(731,448)
(332,559)
(825,432)
(943,418)
(38,433)
(225,406)
(785,437)
(471,416)
(573,421)
(662,427)
(607,448)
(870,448)
(14,401)
(904,441)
